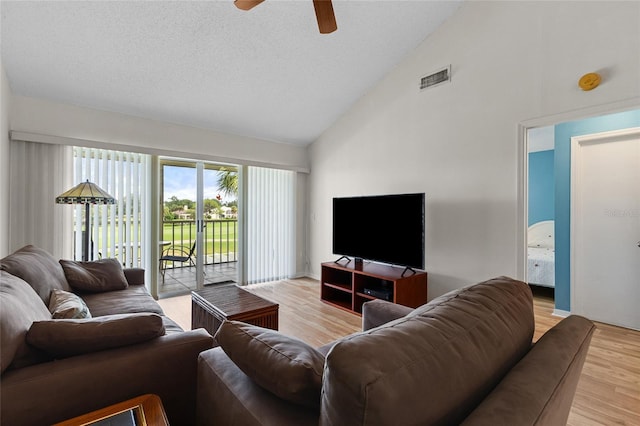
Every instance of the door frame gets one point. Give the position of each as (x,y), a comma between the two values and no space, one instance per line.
(576,152)
(199,166)
(522,129)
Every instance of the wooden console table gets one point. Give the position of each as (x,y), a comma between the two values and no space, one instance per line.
(212,305)
(348,286)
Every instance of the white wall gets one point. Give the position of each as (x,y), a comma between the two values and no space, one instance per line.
(119,131)
(512,62)
(541,139)
(5,101)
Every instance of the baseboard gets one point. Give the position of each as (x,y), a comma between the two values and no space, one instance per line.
(560,313)
(312,276)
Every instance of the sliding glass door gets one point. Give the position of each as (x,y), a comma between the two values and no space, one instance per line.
(199,225)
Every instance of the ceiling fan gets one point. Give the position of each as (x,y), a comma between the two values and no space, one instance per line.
(324,13)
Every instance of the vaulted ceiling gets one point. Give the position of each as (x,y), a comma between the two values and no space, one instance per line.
(265,73)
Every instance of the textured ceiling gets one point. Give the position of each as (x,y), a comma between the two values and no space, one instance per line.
(266,73)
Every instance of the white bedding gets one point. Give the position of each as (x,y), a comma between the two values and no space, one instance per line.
(541,254)
(541,266)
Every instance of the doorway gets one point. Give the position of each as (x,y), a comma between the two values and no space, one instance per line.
(198,226)
(541,208)
(563,131)
(605,217)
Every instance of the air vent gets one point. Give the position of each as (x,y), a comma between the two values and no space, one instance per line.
(436,78)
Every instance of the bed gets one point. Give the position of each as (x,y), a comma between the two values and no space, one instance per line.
(541,254)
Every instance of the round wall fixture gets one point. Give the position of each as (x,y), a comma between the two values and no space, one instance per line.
(589,81)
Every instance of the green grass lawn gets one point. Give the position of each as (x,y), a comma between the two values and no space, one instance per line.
(220,236)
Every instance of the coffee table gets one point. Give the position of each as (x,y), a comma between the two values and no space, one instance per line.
(211,306)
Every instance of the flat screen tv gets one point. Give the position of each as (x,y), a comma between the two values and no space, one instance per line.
(380,228)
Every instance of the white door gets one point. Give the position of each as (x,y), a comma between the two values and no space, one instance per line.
(605,217)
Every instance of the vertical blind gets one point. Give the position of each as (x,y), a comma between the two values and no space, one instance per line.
(39,172)
(121,230)
(270,215)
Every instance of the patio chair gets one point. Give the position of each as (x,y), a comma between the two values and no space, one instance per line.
(179,254)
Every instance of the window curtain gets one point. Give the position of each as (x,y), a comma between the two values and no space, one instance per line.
(121,230)
(39,173)
(270,224)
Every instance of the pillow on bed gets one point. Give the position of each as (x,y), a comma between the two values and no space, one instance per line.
(542,243)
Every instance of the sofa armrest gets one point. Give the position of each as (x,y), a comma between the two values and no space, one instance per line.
(378,312)
(539,390)
(134,276)
(65,388)
(227,396)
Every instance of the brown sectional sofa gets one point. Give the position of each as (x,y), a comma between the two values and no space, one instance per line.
(128,348)
(464,358)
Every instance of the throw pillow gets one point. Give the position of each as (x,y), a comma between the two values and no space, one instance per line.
(19,307)
(65,305)
(38,268)
(287,367)
(95,276)
(69,337)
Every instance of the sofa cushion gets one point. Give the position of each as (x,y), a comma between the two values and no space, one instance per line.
(287,367)
(38,268)
(133,299)
(95,276)
(434,365)
(69,337)
(66,305)
(19,307)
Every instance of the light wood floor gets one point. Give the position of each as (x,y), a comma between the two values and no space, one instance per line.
(608,392)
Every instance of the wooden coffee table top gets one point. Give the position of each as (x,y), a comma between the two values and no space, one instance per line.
(231,300)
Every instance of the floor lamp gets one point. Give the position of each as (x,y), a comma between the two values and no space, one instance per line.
(86,193)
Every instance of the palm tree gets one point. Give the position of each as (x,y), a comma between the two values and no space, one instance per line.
(228,181)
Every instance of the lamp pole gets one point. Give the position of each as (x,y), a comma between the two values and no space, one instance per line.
(87,237)
(86,193)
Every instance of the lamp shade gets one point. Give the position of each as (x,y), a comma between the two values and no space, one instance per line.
(85,193)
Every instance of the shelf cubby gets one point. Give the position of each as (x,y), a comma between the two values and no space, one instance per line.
(346,285)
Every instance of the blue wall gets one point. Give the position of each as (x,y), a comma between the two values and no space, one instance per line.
(563,134)
(541,186)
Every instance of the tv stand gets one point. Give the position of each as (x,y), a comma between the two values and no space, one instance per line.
(343,257)
(348,286)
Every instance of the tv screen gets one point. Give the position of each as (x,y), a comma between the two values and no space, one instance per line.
(381,228)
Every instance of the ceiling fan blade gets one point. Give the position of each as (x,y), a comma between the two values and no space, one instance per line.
(247,4)
(325,16)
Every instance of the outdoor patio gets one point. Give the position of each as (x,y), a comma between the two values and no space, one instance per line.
(182,280)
